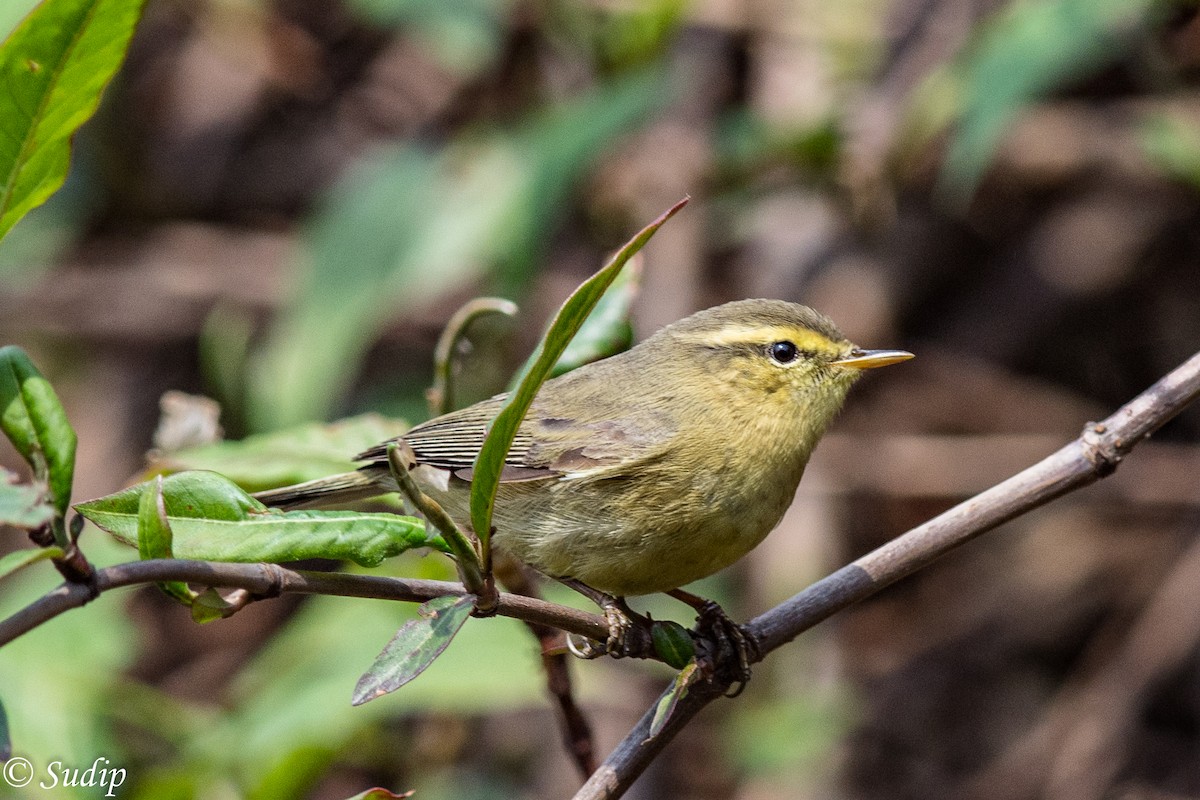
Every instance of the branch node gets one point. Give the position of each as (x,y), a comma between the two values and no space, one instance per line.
(75,568)
(487,602)
(1103,452)
(276,578)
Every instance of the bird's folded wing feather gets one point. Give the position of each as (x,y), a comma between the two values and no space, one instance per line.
(546,445)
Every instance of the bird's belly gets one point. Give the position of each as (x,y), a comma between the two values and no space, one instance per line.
(689,536)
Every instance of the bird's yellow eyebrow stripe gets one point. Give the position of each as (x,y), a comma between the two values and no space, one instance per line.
(803,338)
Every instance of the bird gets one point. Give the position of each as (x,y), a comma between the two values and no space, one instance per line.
(648,470)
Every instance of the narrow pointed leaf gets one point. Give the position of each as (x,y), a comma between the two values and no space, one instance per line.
(19,559)
(21,505)
(54,67)
(35,422)
(567,323)
(212,519)
(607,330)
(154,536)
(415,646)
(670,701)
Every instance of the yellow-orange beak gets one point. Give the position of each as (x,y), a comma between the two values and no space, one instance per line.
(870,359)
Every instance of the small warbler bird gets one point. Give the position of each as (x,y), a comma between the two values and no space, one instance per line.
(651,469)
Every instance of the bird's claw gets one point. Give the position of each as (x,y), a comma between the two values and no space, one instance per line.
(735,648)
(627,633)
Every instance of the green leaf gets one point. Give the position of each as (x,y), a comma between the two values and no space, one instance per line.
(212,519)
(1026,51)
(5,741)
(154,536)
(286,457)
(19,559)
(54,67)
(154,531)
(566,324)
(672,643)
(686,678)
(22,505)
(37,425)
(606,331)
(415,646)
(441,396)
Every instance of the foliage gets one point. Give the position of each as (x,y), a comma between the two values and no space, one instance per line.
(211,518)
(414,647)
(55,66)
(35,422)
(22,506)
(606,331)
(19,559)
(465,34)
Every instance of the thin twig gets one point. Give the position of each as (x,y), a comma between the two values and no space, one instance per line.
(266,580)
(1094,455)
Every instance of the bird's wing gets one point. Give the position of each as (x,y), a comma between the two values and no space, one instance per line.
(547,445)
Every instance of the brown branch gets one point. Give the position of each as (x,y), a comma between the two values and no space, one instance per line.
(1094,455)
(268,580)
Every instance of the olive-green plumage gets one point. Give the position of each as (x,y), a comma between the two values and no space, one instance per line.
(651,469)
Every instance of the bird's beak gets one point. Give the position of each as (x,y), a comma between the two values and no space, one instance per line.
(869,359)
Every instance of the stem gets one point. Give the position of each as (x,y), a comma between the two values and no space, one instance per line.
(469,568)
(270,579)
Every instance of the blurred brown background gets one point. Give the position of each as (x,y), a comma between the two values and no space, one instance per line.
(280,203)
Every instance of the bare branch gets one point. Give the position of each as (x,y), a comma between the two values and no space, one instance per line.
(269,580)
(1094,455)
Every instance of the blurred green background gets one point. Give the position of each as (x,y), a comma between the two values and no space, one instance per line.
(279,204)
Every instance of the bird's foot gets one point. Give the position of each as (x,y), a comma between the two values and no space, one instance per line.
(731,648)
(628,631)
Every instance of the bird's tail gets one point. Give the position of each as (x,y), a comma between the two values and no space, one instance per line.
(323,492)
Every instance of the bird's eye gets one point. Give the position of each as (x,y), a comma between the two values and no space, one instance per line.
(783,352)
